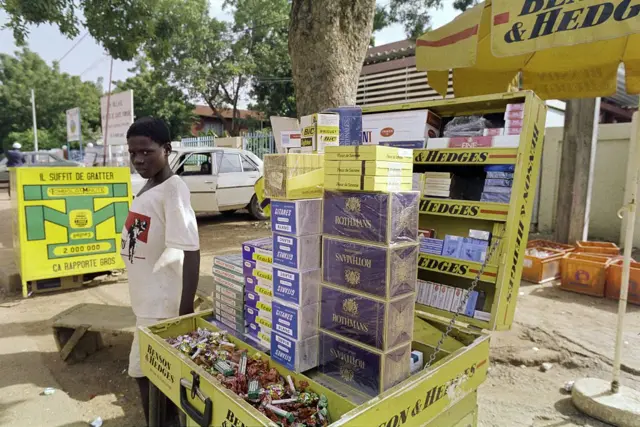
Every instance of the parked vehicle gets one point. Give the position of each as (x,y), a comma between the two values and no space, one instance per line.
(37,158)
(219,179)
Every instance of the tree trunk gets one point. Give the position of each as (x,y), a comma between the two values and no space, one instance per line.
(328,40)
(573,189)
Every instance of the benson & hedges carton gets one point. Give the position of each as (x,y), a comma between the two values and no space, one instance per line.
(296,287)
(296,217)
(295,355)
(382,271)
(363,369)
(374,217)
(295,322)
(297,252)
(381,324)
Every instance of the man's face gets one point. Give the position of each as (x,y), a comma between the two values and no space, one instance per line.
(147,157)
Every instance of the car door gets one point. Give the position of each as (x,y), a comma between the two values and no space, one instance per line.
(235,185)
(197,171)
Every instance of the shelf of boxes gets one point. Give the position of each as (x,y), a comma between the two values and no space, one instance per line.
(504,162)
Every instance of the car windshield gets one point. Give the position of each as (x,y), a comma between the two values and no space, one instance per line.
(255,159)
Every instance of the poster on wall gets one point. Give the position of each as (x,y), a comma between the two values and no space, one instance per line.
(70,220)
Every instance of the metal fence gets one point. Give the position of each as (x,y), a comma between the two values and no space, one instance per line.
(200,141)
(259,143)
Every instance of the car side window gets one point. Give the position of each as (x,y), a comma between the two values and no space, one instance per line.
(230,163)
(247,165)
(195,164)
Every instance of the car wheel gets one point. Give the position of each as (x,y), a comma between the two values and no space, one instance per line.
(255,210)
(229,213)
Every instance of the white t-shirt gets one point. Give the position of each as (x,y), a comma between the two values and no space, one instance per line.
(161,221)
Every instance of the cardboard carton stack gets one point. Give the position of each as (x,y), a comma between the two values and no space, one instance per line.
(369,270)
(258,293)
(437,184)
(228,295)
(296,226)
(498,183)
(293,176)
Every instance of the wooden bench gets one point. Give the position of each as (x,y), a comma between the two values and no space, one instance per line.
(77,331)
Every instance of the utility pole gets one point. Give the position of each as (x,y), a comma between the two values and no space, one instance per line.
(576,169)
(35,126)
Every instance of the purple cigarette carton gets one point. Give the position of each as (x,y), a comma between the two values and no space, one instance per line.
(297,252)
(379,324)
(259,317)
(258,250)
(374,217)
(365,370)
(296,287)
(382,271)
(258,286)
(295,322)
(350,124)
(258,301)
(296,217)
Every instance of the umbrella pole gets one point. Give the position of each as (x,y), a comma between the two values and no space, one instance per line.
(630,219)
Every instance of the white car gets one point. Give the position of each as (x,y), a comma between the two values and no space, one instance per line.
(220,179)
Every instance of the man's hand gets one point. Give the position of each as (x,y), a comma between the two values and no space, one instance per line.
(190,278)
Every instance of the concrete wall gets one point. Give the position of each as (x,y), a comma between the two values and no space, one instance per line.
(608,187)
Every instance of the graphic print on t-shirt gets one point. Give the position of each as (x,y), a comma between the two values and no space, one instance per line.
(137,230)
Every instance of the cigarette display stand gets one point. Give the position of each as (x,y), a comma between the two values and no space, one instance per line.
(444,393)
(67,223)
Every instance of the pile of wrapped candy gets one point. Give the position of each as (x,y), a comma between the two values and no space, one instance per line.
(251,378)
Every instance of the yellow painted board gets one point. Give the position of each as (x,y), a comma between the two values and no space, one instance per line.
(462,156)
(443,394)
(68,221)
(464,209)
(369,153)
(367,183)
(456,267)
(355,167)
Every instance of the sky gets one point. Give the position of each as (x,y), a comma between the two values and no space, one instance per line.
(88,58)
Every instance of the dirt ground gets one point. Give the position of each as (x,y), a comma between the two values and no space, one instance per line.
(573,332)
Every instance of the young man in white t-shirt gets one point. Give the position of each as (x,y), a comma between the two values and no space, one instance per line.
(160,244)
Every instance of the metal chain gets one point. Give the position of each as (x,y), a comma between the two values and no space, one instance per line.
(463,303)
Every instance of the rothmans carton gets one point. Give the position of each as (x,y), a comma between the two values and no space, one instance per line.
(381,324)
(374,217)
(293,176)
(381,271)
(296,287)
(296,217)
(295,355)
(294,321)
(319,131)
(368,183)
(297,252)
(371,168)
(369,153)
(362,368)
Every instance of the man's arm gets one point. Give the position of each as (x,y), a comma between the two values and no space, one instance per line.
(190,278)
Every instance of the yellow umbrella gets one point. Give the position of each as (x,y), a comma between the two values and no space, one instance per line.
(560,49)
(564,48)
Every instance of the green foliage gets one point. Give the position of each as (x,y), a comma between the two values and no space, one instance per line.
(46,139)
(55,93)
(153,96)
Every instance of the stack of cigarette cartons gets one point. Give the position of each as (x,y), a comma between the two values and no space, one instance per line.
(514,119)
(297,227)
(449,298)
(498,183)
(369,270)
(319,131)
(437,184)
(293,176)
(258,293)
(368,168)
(228,295)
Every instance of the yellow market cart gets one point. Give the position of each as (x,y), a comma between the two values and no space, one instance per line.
(444,393)
(67,223)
